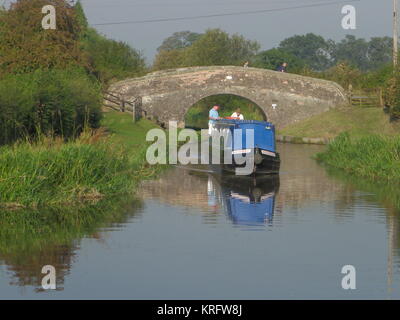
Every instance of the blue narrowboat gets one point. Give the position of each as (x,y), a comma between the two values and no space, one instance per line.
(261,149)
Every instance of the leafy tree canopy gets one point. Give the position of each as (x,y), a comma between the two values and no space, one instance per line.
(110,59)
(380,50)
(215,47)
(314,50)
(365,55)
(320,54)
(169,59)
(179,40)
(25,46)
(271,59)
(81,18)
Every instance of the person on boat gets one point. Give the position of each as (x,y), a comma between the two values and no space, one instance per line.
(282,67)
(212,117)
(237,115)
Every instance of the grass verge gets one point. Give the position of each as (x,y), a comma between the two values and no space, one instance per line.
(357,121)
(50,172)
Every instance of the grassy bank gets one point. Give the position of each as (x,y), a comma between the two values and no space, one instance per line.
(372,157)
(357,121)
(363,143)
(93,167)
(124,131)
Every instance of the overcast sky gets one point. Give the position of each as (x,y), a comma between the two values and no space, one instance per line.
(374,18)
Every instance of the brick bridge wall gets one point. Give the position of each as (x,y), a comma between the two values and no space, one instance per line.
(168,95)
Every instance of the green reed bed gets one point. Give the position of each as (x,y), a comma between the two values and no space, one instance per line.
(373,157)
(50,172)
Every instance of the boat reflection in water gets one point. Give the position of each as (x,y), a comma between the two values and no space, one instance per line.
(248,201)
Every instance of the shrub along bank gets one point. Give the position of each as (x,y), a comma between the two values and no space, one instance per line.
(56,102)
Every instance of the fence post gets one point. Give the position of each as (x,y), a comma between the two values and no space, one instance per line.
(381,97)
(350,93)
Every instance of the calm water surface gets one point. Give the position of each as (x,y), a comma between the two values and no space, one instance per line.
(197,235)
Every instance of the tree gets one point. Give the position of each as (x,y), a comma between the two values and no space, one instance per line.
(379,52)
(217,47)
(169,59)
(314,50)
(81,19)
(179,40)
(111,59)
(353,51)
(271,59)
(214,48)
(25,46)
(365,55)
(108,59)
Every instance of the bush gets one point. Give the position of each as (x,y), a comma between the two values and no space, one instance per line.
(344,74)
(53,102)
(394,94)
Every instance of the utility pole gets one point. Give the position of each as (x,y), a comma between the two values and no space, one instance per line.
(395,37)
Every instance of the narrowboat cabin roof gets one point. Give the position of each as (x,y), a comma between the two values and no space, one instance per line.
(239,122)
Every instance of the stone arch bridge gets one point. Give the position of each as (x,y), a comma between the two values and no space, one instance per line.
(284,98)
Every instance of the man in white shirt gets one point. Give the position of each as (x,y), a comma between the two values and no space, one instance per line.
(237,115)
(212,117)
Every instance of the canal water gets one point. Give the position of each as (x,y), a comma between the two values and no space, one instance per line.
(192,234)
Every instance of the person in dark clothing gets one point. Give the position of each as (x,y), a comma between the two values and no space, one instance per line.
(282,67)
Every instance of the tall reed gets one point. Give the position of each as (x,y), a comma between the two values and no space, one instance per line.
(373,157)
(50,171)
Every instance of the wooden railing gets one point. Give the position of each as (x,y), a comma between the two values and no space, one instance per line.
(118,103)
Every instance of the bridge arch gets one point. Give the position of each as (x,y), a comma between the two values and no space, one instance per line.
(196,115)
(284,98)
